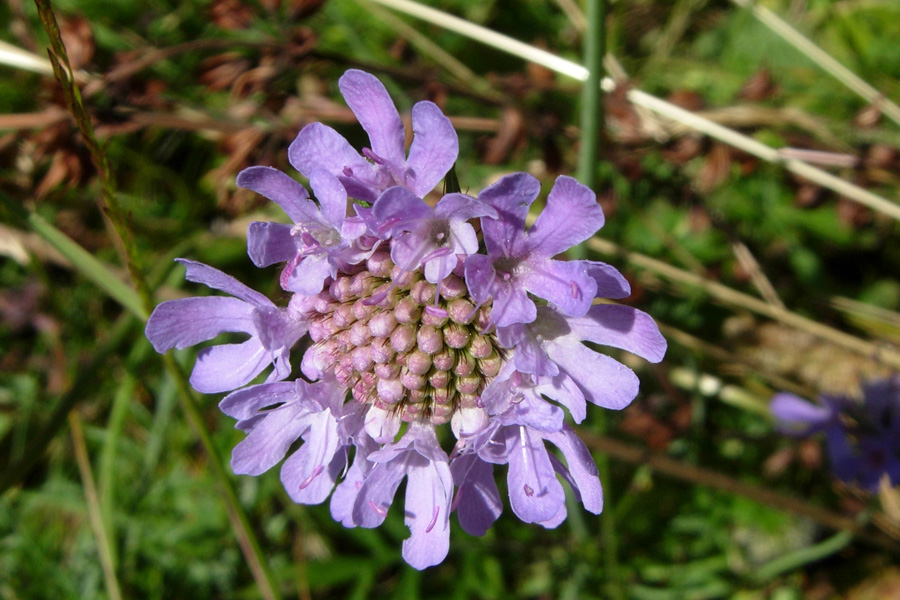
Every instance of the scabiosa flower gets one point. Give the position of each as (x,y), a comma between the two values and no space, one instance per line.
(863,438)
(420,319)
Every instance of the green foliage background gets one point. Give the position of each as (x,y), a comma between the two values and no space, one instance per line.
(176,132)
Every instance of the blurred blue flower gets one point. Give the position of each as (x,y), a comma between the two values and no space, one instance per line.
(863,438)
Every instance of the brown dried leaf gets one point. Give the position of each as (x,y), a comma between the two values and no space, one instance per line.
(230,14)
(512,128)
(687,99)
(301,9)
(219,72)
(760,86)
(868,117)
(683,149)
(778,462)
(716,168)
(78,37)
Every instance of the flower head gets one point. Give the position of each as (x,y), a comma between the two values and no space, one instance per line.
(863,438)
(418,316)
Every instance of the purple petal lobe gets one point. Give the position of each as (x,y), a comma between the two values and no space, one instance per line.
(319,146)
(434,148)
(571,216)
(280,189)
(581,467)
(216,279)
(229,366)
(428,493)
(603,380)
(245,403)
(534,492)
(309,474)
(270,243)
(478,502)
(373,107)
(188,321)
(565,284)
(622,327)
(269,440)
(799,417)
(511,196)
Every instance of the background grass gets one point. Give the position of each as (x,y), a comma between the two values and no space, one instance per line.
(185,94)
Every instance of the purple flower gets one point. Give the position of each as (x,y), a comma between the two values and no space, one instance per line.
(429,237)
(433,151)
(275,415)
(551,349)
(189,321)
(321,240)
(417,317)
(520,262)
(429,492)
(863,439)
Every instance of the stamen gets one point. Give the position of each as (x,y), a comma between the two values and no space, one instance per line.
(436,311)
(434,517)
(576,291)
(305,483)
(381,511)
(367,152)
(528,491)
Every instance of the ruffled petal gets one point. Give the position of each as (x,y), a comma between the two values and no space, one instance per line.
(229,366)
(534,492)
(398,209)
(434,148)
(188,321)
(511,305)
(565,391)
(281,189)
(344,497)
(478,502)
(610,282)
(480,276)
(621,327)
(309,276)
(373,107)
(318,146)
(429,490)
(270,243)
(269,440)
(377,493)
(603,380)
(571,216)
(510,196)
(244,404)
(332,198)
(309,474)
(581,467)
(565,284)
(216,279)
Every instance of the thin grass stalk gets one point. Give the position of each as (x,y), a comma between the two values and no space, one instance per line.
(706,477)
(106,476)
(592,116)
(645,100)
(819,56)
(93,508)
(85,378)
(121,233)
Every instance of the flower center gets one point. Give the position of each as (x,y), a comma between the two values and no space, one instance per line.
(399,353)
